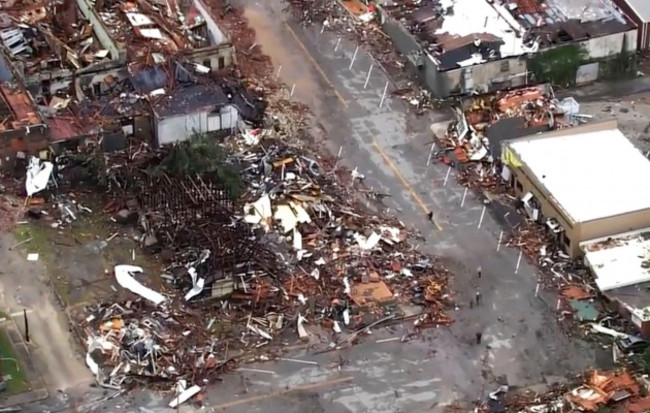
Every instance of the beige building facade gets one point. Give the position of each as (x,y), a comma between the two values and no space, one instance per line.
(583,183)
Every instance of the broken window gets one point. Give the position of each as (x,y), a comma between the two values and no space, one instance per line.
(566,240)
(505,66)
(520,187)
(531,206)
(222,62)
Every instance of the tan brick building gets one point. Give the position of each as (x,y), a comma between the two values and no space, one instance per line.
(584,183)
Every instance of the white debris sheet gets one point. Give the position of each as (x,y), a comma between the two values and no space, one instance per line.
(123,275)
(184,396)
(38,175)
(259,212)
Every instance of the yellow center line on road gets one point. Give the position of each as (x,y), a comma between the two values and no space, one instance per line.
(281,393)
(316,65)
(340,98)
(404,182)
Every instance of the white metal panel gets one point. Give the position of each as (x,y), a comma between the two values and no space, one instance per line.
(641,8)
(214,122)
(229,117)
(587,73)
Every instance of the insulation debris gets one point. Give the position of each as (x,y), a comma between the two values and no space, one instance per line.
(295,245)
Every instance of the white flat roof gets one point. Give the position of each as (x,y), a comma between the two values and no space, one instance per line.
(591,175)
(620,261)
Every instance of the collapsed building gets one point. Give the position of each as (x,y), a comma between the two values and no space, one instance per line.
(473,142)
(182,105)
(467,46)
(296,257)
(74,64)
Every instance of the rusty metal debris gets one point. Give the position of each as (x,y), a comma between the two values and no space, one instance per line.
(296,255)
(617,391)
(262,243)
(359,20)
(473,142)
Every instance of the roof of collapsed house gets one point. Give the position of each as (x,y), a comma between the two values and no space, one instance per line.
(154,29)
(301,255)
(186,92)
(48,38)
(569,164)
(619,261)
(448,28)
(17,109)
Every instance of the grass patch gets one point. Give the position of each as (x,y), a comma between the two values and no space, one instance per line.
(117,251)
(83,242)
(41,243)
(18,382)
(40,238)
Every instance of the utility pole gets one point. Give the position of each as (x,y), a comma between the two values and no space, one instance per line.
(26,325)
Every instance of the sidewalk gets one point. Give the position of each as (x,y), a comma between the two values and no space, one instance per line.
(605,90)
(37,387)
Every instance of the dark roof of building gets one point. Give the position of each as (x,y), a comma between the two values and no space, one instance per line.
(189,98)
(149,79)
(450,59)
(190,93)
(513,29)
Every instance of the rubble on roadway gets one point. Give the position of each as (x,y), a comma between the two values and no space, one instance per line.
(263,243)
(595,390)
(359,21)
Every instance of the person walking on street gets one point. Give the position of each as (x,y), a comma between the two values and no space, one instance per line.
(479,335)
(478,297)
(478,271)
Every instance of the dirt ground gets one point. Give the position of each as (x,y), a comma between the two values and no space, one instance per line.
(74,266)
(631,112)
(25,286)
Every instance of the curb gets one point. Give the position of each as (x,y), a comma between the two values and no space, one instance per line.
(372,57)
(39,391)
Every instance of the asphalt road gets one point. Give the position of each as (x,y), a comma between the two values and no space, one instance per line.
(522,344)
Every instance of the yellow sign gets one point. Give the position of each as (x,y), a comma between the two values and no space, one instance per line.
(509,158)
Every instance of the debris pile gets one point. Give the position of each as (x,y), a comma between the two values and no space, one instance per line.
(532,239)
(472,143)
(616,391)
(602,388)
(302,259)
(360,21)
(132,343)
(420,99)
